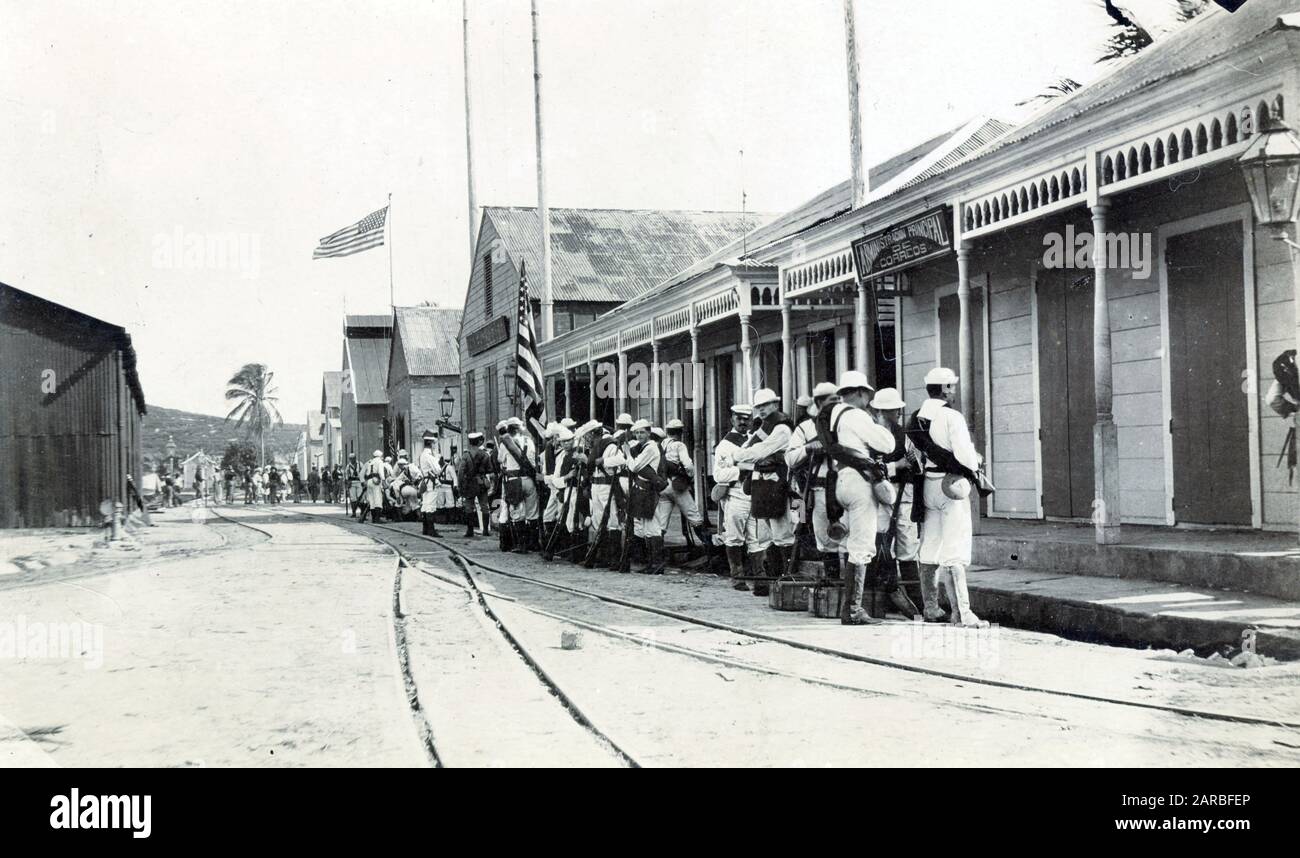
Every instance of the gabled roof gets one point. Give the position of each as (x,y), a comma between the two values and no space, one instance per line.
(64,324)
(900,170)
(367,359)
(1189,47)
(611,255)
(428,338)
(331,394)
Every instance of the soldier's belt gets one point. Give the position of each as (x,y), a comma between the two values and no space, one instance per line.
(601,481)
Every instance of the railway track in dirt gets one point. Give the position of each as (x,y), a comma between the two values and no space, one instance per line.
(409,545)
(405,560)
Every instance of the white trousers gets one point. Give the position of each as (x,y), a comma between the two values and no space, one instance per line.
(946,533)
(821,524)
(907,541)
(735,518)
(601,497)
(860,515)
(527,510)
(682,501)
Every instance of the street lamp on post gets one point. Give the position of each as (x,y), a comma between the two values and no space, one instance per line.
(1271,166)
(446,402)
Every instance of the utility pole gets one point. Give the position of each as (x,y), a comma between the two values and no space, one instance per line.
(857,170)
(469,143)
(543,214)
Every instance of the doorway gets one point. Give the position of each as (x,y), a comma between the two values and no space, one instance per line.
(1066,393)
(1210,428)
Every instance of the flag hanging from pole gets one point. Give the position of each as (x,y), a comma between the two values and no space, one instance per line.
(528,370)
(365,234)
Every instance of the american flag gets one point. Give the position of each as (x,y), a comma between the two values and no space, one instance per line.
(528,373)
(362,235)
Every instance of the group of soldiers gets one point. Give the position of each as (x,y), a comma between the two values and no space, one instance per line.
(402,490)
(887,497)
(884,495)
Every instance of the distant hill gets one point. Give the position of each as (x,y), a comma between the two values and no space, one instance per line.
(193,432)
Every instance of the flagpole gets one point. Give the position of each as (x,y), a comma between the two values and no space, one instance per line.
(548,322)
(392,300)
(469,145)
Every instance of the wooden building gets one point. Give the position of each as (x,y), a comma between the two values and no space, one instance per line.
(70,416)
(331,409)
(363,409)
(1119,381)
(423,370)
(600,258)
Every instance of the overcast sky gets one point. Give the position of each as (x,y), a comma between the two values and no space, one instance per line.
(132,126)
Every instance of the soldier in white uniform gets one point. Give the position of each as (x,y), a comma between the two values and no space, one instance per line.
(733,506)
(949,467)
(428,467)
(765,481)
(805,447)
(519,467)
(559,480)
(679,468)
(643,459)
(858,441)
(606,546)
(377,472)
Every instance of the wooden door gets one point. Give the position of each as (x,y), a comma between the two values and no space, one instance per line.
(1207,357)
(1067,400)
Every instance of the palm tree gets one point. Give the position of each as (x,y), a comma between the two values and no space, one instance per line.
(255,398)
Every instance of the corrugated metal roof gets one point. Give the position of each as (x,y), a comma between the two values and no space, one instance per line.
(429,340)
(368,360)
(368,321)
(611,255)
(1212,33)
(18,306)
(332,389)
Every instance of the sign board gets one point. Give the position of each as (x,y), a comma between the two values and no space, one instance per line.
(494,332)
(923,238)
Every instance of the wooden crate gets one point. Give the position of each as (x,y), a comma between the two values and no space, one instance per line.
(789,595)
(824,600)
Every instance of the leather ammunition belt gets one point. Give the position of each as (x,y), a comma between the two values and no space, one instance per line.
(515,473)
(600,481)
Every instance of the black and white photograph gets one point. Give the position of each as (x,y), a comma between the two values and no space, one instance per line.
(565,384)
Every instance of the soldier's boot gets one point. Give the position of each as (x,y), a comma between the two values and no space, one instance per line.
(851,610)
(903,603)
(503,537)
(594,549)
(433,525)
(929,577)
(654,564)
(613,548)
(469,526)
(736,566)
(831,565)
(706,542)
(959,598)
(760,566)
(518,537)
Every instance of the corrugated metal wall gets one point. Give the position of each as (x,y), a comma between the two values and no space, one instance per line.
(63,453)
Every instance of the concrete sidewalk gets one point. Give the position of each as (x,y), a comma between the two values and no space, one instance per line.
(1135,611)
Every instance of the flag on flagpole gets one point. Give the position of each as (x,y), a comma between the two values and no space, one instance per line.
(365,234)
(528,370)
